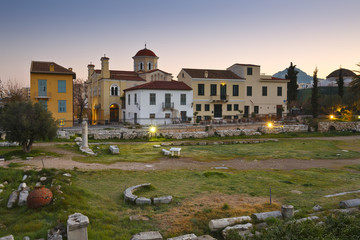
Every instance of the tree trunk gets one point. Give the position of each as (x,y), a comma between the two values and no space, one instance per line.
(26,145)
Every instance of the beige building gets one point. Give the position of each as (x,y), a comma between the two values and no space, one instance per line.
(238,91)
(105,87)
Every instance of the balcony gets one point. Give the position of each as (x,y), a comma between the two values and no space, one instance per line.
(43,95)
(167,106)
(219,98)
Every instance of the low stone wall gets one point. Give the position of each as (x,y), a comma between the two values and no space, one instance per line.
(339,126)
(284,128)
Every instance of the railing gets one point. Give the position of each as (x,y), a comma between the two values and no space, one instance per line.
(167,105)
(219,98)
(45,95)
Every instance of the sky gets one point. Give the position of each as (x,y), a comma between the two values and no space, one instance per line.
(212,34)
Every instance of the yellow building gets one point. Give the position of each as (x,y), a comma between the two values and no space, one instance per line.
(52,86)
(238,91)
(105,87)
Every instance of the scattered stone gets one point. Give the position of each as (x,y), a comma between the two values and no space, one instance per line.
(346,211)
(1,190)
(54,234)
(147,236)
(114,149)
(261,226)
(149,166)
(156,146)
(296,191)
(345,150)
(67,174)
(350,203)
(317,208)
(24,177)
(21,186)
(2,186)
(5,182)
(264,215)
(138,218)
(43,179)
(78,139)
(10,237)
(23,197)
(29,158)
(218,224)
(307,219)
(221,167)
(241,229)
(26,238)
(143,201)
(38,184)
(184,237)
(164,199)
(205,237)
(166,144)
(12,199)
(287,211)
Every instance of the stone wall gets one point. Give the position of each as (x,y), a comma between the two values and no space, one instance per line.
(190,131)
(339,126)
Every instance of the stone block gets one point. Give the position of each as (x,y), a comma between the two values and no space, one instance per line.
(12,199)
(264,215)
(147,236)
(78,139)
(287,211)
(218,224)
(241,229)
(184,237)
(77,227)
(9,237)
(23,197)
(346,211)
(164,199)
(205,237)
(114,149)
(21,186)
(143,201)
(350,203)
(312,218)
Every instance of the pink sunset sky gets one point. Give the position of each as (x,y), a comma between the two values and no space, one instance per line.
(210,34)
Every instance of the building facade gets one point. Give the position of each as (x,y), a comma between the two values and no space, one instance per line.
(158,103)
(238,91)
(105,87)
(52,86)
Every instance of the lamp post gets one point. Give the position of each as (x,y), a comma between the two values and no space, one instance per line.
(152,131)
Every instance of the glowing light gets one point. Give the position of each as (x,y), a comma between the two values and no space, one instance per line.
(332,116)
(152,129)
(270,125)
(358,117)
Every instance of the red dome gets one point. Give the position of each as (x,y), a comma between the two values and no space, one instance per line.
(145,52)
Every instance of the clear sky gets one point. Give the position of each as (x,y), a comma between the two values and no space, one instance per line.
(184,34)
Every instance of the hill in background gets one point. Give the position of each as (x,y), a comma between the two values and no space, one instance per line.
(303,77)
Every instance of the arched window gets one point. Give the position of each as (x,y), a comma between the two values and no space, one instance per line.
(114,90)
(152,78)
(149,65)
(141,66)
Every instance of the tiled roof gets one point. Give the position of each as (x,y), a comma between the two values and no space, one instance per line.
(212,74)
(345,73)
(145,52)
(123,75)
(275,78)
(154,70)
(244,64)
(44,67)
(162,85)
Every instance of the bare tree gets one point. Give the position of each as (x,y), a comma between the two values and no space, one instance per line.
(13,92)
(80,98)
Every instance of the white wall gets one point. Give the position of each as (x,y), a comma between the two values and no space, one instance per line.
(144,109)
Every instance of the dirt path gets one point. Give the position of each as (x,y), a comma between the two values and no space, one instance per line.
(66,162)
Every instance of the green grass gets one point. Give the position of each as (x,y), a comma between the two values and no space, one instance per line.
(17,152)
(99,195)
(283,149)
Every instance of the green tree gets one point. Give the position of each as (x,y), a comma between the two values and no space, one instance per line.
(315,95)
(340,83)
(292,86)
(25,122)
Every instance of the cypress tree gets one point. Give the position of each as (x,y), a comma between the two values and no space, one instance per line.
(292,86)
(315,95)
(340,83)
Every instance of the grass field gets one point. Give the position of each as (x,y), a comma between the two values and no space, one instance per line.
(199,196)
(283,149)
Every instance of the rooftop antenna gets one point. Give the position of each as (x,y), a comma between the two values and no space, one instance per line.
(145,45)
(104,55)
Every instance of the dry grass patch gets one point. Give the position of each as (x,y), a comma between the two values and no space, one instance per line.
(193,215)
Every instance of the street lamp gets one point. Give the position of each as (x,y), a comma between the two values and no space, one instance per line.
(152,130)
(269,124)
(332,116)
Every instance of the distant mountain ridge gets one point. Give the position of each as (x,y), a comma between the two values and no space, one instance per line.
(302,76)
